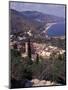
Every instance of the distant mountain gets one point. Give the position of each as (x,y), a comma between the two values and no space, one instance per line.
(20,23)
(41,17)
(35,23)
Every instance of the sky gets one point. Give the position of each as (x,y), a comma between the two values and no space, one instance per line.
(52,9)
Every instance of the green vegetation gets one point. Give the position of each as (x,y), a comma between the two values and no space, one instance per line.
(52,69)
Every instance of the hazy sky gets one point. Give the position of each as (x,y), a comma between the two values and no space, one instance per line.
(52,9)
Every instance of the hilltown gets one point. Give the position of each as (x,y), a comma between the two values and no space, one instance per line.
(42,49)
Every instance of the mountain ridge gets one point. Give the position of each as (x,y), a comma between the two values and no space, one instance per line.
(34,21)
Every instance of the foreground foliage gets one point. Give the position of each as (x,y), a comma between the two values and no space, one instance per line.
(52,69)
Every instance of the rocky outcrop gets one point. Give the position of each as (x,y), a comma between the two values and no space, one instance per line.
(37,82)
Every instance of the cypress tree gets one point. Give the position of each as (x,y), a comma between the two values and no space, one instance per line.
(37,59)
(29,52)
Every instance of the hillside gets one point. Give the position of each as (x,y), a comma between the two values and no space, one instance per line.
(34,22)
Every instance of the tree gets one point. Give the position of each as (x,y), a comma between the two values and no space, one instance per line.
(29,52)
(37,59)
(60,57)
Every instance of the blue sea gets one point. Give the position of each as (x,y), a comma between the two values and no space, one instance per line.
(57,30)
